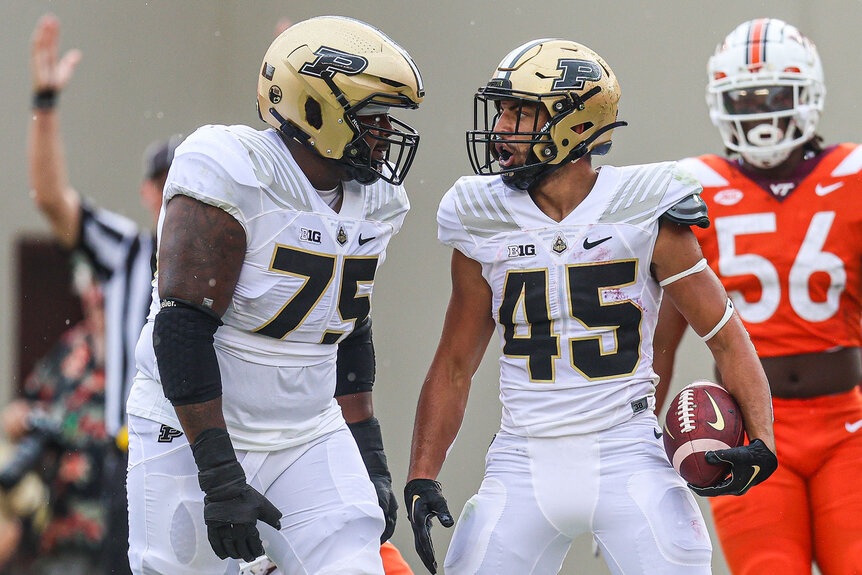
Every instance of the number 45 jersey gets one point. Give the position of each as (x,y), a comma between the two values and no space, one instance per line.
(305,283)
(790,257)
(574,302)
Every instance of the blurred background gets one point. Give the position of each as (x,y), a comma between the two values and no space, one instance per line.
(151,69)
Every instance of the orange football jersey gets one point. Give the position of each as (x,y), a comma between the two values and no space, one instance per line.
(790,258)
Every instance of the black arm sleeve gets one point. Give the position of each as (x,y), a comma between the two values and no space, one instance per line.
(356,366)
(183,342)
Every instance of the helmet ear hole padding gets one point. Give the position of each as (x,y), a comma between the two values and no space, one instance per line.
(313,113)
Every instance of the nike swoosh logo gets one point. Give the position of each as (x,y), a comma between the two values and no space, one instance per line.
(823,190)
(363,241)
(753,475)
(413,507)
(657,433)
(588,245)
(853,427)
(718,424)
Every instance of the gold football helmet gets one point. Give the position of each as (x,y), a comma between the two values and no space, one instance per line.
(326,81)
(576,88)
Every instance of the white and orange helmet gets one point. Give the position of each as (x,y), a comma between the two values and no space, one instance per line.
(768,61)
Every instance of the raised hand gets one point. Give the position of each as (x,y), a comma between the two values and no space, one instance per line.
(48,71)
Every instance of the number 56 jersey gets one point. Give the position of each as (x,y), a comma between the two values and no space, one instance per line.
(305,283)
(574,301)
(791,259)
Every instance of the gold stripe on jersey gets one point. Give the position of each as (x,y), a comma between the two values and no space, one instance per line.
(330,337)
(480,209)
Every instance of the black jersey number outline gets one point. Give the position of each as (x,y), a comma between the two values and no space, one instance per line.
(318,271)
(586,284)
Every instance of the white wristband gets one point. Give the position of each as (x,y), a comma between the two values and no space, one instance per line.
(698,267)
(728,311)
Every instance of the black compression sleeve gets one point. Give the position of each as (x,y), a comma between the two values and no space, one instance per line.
(183,342)
(355,366)
(369,439)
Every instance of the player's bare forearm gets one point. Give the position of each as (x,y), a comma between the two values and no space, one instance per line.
(197,417)
(743,376)
(668,334)
(467,330)
(356,407)
(201,251)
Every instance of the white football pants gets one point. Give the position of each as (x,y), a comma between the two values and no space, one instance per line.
(331,521)
(538,494)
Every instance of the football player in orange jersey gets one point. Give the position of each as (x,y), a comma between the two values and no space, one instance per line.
(786,241)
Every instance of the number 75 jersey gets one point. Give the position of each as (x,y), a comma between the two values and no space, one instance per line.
(791,260)
(574,301)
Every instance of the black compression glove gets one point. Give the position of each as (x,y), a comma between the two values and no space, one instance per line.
(750,464)
(424,499)
(369,439)
(231,506)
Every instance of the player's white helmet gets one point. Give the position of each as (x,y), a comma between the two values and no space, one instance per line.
(320,75)
(765,90)
(575,86)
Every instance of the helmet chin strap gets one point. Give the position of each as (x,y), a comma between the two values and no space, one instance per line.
(361,174)
(526,179)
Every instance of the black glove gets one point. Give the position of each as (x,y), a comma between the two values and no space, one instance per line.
(750,464)
(231,506)
(424,499)
(370,441)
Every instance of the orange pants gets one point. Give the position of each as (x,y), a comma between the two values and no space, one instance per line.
(393,562)
(811,508)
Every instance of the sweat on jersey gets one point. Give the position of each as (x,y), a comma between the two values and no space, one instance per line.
(306,280)
(574,302)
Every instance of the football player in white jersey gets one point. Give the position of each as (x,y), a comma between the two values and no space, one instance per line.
(269,242)
(570,263)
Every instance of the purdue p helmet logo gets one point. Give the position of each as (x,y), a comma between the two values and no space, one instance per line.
(330,62)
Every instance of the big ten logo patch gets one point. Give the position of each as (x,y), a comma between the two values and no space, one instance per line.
(522,251)
(307,235)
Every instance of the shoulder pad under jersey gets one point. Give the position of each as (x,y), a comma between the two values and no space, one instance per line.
(690,211)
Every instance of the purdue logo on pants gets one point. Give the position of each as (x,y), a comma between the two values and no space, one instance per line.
(167,434)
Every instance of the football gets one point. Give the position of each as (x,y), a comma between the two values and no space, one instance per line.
(702,417)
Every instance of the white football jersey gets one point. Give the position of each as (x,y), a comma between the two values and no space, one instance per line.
(305,282)
(574,301)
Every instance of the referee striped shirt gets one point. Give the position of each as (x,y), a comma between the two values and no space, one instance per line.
(124,257)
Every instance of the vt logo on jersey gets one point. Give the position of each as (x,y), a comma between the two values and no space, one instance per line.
(781,190)
(522,251)
(306,235)
(330,62)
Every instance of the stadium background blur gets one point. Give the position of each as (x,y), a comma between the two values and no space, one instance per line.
(155,68)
